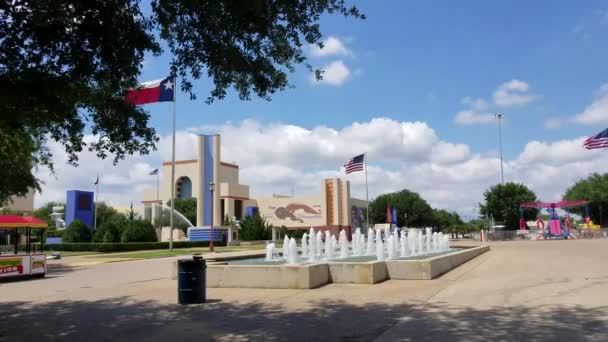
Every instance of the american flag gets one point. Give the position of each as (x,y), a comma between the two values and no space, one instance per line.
(355,164)
(597,141)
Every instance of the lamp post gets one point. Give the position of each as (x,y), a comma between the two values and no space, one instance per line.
(211,189)
(499,116)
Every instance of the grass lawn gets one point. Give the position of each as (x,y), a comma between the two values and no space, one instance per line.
(184,251)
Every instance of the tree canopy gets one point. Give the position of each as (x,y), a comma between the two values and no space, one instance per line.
(65,65)
(593,189)
(419,212)
(502,201)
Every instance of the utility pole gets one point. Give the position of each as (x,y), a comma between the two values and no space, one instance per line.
(499,116)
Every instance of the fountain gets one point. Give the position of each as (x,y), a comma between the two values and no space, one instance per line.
(293,257)
(343,243)
(328,245)
(370,242)
(304,245)
(403,245)
(312,247)
(286,247)
(379,246)
(270,251)
(391,247)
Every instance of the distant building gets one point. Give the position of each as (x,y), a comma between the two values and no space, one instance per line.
(332,208)
(25,204)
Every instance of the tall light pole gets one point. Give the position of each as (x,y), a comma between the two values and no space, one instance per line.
(499,116)
(211,189)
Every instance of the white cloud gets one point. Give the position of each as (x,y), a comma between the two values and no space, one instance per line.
(476,104)
(597,111)
(335,74)
(332,46)
(471,117)
(513,93)
(554,123)
(276,158)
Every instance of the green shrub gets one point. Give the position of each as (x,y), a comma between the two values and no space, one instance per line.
(77,231)
(126,247)
(255,228)
(107,232)
(138,231)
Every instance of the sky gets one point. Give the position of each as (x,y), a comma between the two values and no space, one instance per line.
(414,86)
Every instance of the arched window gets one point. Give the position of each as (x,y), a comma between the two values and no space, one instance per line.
(183,188)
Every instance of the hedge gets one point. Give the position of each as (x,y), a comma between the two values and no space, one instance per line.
(125,246)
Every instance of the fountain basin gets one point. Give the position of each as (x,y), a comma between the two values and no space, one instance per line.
(308,276)
(260,274)
(431,267)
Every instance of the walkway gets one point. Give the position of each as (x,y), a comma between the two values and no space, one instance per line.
(521,290)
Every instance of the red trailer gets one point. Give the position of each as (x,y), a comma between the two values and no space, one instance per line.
(19,256)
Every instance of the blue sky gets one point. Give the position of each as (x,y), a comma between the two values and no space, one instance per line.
(415,86)
(416,60)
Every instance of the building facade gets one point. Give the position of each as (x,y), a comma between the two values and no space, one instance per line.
(331,208)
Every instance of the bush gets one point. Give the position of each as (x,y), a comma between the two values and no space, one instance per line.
(255,228)
(138,231)
(77,231)
(126,247)
(108,232)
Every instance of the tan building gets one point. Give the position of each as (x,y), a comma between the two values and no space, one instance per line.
(332,208)
(25,203)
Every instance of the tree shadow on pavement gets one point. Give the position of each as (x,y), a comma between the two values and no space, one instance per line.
(125,318)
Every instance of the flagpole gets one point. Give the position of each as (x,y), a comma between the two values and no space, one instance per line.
(95,202)
(366,190)
(172,171)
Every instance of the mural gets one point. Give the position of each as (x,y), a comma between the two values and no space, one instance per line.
(292,213)
(297,212)
(356,217)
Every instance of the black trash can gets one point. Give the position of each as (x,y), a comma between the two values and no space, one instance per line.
(191,280)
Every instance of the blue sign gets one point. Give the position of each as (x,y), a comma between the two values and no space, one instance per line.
(80,205)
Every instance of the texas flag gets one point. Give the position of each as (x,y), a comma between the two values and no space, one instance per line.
(153,91)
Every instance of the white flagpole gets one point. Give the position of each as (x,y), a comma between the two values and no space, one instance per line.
(95,203)
(366,190)
(172,169)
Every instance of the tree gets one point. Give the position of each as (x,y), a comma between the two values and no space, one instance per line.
(255,228)
(444,219)
(20,153)
(109,231)
(502,203)
(77,231)
(65,65)
(138,231)
(595,190)
(419,212)
(106,213)
(186,207)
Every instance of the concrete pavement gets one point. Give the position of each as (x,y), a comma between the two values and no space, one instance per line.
(520,290)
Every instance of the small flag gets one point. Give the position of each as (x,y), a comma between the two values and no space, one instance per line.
(394,216)
(355,164)
(152,91)
(598,141)
(389,218)
(96,181)
(154,172)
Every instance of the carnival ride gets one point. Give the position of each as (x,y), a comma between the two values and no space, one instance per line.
(555,229)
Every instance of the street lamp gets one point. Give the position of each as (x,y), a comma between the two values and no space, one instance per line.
(211,189)
(499,116)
